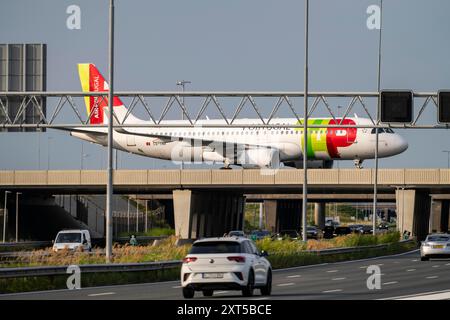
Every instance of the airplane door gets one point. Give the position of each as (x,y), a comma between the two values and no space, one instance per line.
(130,141)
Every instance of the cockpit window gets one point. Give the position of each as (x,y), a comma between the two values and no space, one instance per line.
(380,130)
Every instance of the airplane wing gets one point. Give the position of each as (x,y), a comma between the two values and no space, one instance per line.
(91,131)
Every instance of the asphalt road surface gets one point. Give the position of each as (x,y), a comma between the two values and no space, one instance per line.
(402,277)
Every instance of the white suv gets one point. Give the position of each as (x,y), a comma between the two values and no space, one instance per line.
(225,263)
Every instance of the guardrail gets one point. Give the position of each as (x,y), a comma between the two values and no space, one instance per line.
(11,246)
(149,266)
(91,268)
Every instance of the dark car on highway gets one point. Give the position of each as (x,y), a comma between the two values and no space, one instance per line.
(312,232)
(328,232)
(287,234)
(367,229)
(259,234)
(342,231)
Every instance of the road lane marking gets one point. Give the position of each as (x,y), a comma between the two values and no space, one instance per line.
(294,276)
(363,267)
(331,271)
(390,282)
(263,298)
(447,264)
(220,292)
(409,270)
(435,295)
(432,277)
(285,284)
(336,279)
(436,266)
(101,294)
(415,260)
(330,291)
(177,287)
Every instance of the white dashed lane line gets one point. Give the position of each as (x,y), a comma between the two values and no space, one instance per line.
(101,294)
(176,287)
(410,270)
(331,271)
(330,291)
(294,276)
(436,266)
(220,292)
(389,283)
(432,277)
(285,284)
(337,279)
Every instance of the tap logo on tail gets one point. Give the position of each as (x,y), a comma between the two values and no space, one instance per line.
(93,81)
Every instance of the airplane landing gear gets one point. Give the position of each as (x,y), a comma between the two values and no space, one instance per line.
(358,163)
(226,165)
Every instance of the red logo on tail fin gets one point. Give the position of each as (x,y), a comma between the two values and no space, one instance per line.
(98,84)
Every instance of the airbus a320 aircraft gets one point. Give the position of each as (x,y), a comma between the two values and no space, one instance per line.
(257,147)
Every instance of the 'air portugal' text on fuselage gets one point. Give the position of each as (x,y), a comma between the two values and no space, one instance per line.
(251,146)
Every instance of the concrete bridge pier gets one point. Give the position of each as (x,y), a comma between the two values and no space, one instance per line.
(207,213)
(284,214)
(413,212)
(439,220)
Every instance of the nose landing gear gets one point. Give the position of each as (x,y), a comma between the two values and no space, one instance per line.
(358,163)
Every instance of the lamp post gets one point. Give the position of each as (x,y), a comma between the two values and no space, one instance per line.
(83,155)
(448,158)
(48,152)
(305,127)
(182,83)
(17,215)
(5,216)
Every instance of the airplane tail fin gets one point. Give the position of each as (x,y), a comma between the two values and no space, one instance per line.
(92,81)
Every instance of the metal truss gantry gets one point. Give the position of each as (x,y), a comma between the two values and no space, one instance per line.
(193,111)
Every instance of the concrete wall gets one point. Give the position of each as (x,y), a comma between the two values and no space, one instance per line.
(207,214)
(413,212)
(283,214)
(326,177)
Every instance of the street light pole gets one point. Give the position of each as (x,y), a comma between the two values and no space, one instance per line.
(374,216)
(5,215)
(448,158)
(17,215)
(109,186)
(305,128)
(48,152)
(182,83)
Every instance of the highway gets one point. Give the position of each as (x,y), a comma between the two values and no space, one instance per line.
(403,276)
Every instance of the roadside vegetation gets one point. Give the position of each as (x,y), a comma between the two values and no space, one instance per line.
(154,232)
(166,249)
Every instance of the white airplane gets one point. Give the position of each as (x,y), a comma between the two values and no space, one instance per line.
(249,147)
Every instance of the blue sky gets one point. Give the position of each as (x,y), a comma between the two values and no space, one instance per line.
(232,45)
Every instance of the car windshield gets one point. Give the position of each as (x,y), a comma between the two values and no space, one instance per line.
(236,233)
(216,247)
(438,238)
(69,237)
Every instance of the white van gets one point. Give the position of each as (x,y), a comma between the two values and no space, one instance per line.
(72,240)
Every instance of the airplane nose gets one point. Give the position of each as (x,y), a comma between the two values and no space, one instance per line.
(400,144)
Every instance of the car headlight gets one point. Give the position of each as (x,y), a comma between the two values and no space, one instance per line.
(424,244)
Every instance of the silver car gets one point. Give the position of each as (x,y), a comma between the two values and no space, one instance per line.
(435,246)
